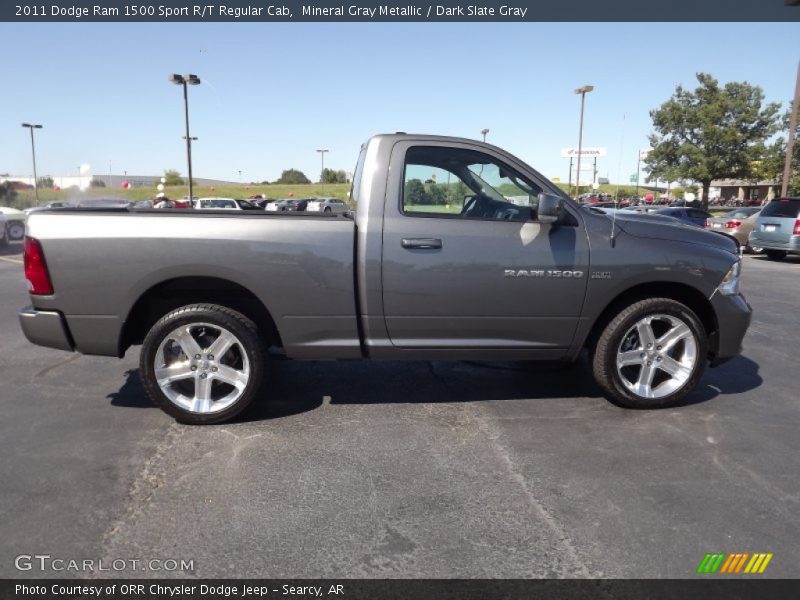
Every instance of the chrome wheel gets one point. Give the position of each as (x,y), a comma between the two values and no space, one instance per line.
(657,356)
(202,368)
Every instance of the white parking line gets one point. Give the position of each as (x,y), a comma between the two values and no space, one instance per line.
(11,260)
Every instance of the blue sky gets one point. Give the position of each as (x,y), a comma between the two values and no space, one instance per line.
(273,93)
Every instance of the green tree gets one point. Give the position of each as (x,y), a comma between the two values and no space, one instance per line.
(437,194)
(293,176)
(172,177)
(415,193)
(45,182)
(711,132)
(8,195)
(331,176)
(97,183)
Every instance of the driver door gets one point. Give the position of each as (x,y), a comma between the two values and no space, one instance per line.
(485,277)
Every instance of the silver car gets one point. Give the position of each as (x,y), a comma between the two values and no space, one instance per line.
(777,228)
(327,205)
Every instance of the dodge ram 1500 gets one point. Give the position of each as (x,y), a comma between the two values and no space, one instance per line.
(454,249)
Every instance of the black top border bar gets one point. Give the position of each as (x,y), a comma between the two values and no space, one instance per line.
(410,10)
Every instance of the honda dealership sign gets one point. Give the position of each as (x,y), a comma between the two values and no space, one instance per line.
(585,152)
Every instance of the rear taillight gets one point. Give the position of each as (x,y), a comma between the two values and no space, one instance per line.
(36,268)
(796,230)
(732,224)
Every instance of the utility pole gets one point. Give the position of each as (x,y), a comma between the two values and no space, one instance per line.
(483,133)
(322,169)
(33,153)
(186,81)
(582,91)
(787,169)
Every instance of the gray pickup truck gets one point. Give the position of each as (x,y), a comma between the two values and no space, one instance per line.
(455,250)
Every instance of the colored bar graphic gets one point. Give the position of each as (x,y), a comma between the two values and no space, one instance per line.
(720,562)
(711,562)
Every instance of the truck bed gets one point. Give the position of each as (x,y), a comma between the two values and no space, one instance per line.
(300,266)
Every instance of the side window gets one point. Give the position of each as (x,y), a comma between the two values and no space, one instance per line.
(459,183)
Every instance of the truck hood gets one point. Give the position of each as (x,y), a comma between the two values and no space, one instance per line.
(666,228)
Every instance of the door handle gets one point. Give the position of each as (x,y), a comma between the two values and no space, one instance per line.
(421,243)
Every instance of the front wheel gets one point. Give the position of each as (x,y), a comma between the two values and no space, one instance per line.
(202,363)
(776,254)
(651,355)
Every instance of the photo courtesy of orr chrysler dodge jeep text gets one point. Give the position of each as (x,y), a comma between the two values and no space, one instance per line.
(455,250)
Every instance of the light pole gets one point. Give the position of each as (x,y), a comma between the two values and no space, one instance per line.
(33,153)
(483,133)
(186,81)
(582,91)
(787,167)
(322,167)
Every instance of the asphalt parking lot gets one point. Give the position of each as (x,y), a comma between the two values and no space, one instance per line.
(422,469)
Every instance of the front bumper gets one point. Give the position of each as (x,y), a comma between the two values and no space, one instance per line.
(789,244)
(45,328)
(733,318)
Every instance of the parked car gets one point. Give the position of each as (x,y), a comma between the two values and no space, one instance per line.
(652,303)
(691,216)
(247,205)
(15,223)
(327,205)
(777,229)
(287,204)
(3,230)
(261,200)
(737,223)
(102,203)
(216,204)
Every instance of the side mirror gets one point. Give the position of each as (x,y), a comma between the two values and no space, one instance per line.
(549,208)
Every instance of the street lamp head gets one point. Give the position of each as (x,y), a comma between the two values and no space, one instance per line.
(176,79)
(192,79)
(585,89)
(31,126)
(326,150)
(484,131)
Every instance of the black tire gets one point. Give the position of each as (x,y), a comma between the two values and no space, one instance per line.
(328,209)
(604,358)
(234,322)
(776,254)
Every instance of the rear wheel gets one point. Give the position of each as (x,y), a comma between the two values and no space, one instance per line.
(328,209)
(776,254)
(202,363)
(15,230)
(651,355)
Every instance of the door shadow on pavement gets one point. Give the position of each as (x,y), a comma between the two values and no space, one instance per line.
(297,387)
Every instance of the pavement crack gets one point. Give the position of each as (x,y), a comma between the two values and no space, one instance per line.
(580,567)
(61,363)
(150,478)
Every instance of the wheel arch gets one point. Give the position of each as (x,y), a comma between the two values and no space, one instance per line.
(680,292)
(172,293)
